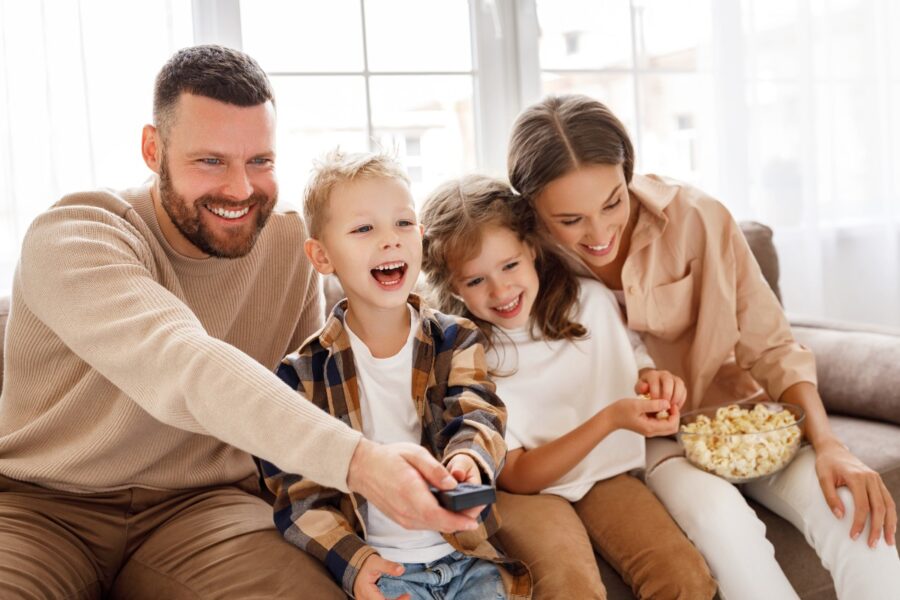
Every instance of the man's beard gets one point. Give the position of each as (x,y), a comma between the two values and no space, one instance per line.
(186,217)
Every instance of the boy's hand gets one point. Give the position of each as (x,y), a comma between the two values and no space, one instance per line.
(366,585)
(639,415)
(395,478)
(464,470)
(662,385)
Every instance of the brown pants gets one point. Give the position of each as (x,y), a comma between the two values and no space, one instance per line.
(626,524)
(212,543)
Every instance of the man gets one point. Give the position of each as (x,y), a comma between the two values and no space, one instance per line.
(142,335)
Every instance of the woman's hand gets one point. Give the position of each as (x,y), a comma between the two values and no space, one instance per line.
(836,466)
(662,385)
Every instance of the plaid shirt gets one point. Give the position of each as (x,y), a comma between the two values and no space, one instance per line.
(459,411)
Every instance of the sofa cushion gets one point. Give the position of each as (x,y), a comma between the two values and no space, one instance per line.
(876,444)
(857,370)
(759,238)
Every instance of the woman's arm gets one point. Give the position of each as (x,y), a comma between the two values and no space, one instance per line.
(530,471)
(768,349)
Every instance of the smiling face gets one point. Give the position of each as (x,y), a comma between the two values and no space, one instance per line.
(587,211)
(217,182)
(500,284)
(372,241)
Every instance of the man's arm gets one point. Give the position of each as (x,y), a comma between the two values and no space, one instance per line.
(88,275)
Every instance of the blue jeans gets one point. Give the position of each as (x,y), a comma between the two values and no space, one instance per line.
(454,576)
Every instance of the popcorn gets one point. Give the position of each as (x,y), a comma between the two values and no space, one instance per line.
(740,444)
(661,415)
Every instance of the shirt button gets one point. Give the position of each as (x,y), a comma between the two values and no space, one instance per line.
(632,290)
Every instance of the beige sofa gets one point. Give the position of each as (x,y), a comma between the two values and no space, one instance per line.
(858,379)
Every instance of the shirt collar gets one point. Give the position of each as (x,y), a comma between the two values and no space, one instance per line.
(334,328)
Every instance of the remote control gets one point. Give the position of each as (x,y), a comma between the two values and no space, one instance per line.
(465,495)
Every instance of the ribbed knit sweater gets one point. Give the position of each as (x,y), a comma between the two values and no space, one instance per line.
(129,364)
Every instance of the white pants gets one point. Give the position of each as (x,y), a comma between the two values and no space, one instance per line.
(731,537)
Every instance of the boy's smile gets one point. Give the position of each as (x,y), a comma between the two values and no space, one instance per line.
(390,275)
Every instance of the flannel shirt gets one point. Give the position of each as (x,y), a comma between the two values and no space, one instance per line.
(459,412)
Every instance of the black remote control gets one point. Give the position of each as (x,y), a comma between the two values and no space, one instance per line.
(465,495)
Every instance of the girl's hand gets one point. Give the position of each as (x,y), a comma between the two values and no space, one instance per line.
(639,415)
(366,585)
(464,470)
(662,385)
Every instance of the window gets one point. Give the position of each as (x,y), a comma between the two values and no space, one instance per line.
(652,75)
(352,73)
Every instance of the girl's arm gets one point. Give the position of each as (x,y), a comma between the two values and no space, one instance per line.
(530,471)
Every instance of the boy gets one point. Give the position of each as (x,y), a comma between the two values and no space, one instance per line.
(380,343)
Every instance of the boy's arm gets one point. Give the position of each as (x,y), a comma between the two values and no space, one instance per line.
(309,516)
(474,417)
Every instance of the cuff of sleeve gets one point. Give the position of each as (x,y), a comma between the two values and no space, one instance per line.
(351,572)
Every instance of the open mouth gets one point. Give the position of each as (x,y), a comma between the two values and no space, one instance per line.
(389,275)
(510,309)
(229,214)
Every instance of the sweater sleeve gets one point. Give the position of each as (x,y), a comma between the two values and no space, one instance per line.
(90,277)
(766,346)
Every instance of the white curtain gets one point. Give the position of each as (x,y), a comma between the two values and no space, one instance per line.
(76,82)
(822,159)
(787,110)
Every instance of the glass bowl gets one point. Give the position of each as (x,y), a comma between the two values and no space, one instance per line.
(742,442)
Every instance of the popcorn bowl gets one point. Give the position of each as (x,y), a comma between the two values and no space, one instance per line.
(742,442)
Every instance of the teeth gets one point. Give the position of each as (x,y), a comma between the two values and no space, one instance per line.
(508,307)
(389,266)
(599,248)
(230,214)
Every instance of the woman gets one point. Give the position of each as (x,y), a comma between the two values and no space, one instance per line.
(687,281)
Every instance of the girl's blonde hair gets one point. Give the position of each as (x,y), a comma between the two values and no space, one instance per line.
(454,217)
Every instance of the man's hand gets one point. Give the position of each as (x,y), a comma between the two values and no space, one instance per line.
(464,469)
(837,467)
(395,478)
(662,385)
(366,585)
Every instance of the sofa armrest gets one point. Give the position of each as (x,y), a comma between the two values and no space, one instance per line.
(857,367)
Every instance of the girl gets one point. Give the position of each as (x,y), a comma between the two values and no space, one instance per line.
(574,427)
(683,273)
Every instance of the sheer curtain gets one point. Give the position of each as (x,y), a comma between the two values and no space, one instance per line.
(823,151)
(786,110)
(76,81)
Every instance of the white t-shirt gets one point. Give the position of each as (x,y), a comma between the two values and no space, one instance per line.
(388,414)
(560,384)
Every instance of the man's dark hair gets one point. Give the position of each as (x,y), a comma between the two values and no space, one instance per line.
(211,71)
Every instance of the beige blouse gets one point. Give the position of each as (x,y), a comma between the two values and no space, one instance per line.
(696,294)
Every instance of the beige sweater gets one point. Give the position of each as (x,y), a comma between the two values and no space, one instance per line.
(130,365)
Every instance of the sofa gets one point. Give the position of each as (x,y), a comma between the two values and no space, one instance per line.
(858,380)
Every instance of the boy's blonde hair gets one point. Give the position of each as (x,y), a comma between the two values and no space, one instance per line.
(454,217)
(337,167)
